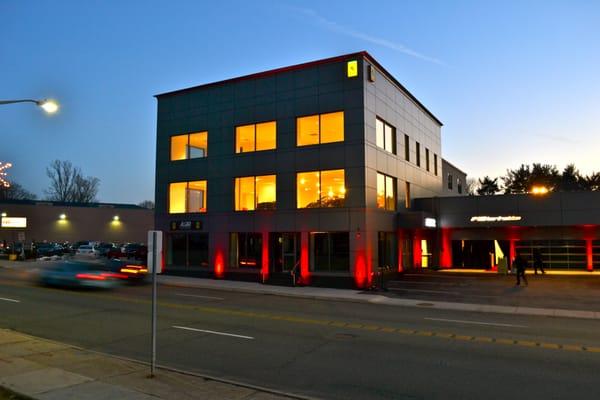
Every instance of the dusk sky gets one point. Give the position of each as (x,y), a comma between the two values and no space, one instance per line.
(513,82)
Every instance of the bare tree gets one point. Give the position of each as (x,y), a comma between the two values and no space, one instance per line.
(67,183)
(149,204)
(16,192)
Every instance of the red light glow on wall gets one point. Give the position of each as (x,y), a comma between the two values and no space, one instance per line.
(265,257)
(400,251)
(417,251)
(360,270)
(446,253)
(589,253)
(304,273)
(219,264)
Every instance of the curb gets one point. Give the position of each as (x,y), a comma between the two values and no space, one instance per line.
(386,301)
(164,368)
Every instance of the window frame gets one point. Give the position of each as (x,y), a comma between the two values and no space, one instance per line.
(186,197)
(320,125)
(426,159)
(418,151)
(406,147)
(385,142)
(320,190)
(450,182)
(187,146)
(385,187)
(435,164)
(235,196)
(253,124)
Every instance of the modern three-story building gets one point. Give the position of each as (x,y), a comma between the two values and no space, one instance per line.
(310,169)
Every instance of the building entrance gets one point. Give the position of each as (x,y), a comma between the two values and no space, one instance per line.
(479,253)
(285,251)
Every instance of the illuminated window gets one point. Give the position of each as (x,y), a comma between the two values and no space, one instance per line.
(256,137)
(406,148)
(320,189)
(385,135)
(386,192)
(255,193)
(427,159)
(418,150)
(435,167)
(324,128)
(192,145)
(187,197)
(245,250)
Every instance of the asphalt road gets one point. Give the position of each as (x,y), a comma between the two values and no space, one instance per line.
(324,349)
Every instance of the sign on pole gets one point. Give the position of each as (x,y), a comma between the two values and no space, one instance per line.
(155,251)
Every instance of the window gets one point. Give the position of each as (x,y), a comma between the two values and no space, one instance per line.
(387,249)
(418,150)
(245,250)
(189,250)
(330,252)
(320,189)
(255,193)
(407,194)
(458,186)
(385,136)
(187,197)
(386,192)
(450,181)
(427,159)
(192,145)
(316,129)
(435,164)
(256,137)
(406,148)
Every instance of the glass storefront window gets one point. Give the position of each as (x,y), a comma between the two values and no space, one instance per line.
(330,252)
(245,250)
(324,128)
(198,249)
(187,250)
(192,145)
(320,189)
(187,197)
(177,249)
(387,249)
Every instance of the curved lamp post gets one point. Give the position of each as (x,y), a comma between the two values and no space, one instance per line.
(48,105)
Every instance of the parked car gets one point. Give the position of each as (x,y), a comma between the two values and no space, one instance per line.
(78,274)
(104,249)
(49,249)
(134,251)
(86,251)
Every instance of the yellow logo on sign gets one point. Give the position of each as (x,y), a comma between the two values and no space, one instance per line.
(352,69)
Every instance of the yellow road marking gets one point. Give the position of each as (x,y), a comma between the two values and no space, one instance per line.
(341,324)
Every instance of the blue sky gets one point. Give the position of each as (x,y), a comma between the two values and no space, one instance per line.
(513,82)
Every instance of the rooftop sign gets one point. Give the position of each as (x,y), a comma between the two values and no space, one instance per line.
(498,218)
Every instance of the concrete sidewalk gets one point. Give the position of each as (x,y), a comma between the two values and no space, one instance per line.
(46,370)
(316,293)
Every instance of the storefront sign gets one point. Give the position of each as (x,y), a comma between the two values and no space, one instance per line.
(498,218)
(430,222)
(186,225)
(14,222)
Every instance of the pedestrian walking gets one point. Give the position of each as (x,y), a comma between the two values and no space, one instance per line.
(537,261)
(520,264)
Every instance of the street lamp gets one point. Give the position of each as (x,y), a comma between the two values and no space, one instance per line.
(48,105)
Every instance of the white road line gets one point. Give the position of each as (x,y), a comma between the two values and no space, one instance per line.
(460,321)
(11,300)
(199,296)
(213,332)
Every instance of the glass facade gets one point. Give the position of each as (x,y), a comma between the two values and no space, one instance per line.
(245,250)
(329,252)
(192,145)
(320,189)
(319,129)
(387,249)
(187,250)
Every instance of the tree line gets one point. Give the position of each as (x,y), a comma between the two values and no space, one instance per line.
(67,184)
(524,178)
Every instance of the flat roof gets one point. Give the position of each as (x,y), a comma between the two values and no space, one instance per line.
(70,204)
(295,67)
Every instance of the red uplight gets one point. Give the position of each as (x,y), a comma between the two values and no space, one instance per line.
(219,264)
(360,271)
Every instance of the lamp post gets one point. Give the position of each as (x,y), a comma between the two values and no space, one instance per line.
(48,105)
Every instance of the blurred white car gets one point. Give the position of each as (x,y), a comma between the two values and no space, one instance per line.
(87,251)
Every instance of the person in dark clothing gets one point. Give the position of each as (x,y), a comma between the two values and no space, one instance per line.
(520,264)
(537,261)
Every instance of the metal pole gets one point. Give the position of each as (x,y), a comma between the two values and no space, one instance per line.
(153,359)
